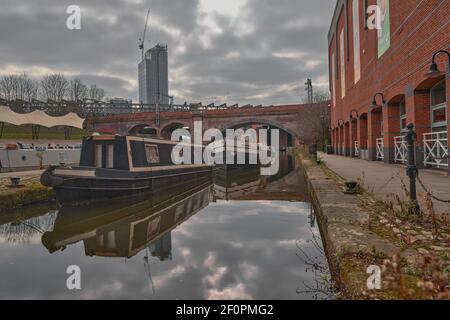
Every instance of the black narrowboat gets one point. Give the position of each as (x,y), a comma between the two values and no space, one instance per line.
(120,166)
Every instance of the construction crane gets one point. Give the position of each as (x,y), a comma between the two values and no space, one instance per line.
(142,40)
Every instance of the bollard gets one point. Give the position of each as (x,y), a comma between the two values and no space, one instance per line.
(15,181)
(329,149)
(411,171)
(313,151)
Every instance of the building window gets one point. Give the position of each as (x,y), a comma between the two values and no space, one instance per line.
(342,61)
(438,108)
(366,17)
(403,122)
(152,153)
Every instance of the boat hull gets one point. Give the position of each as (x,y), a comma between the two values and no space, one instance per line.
(107,184)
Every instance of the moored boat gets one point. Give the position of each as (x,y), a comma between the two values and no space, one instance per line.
(118,166)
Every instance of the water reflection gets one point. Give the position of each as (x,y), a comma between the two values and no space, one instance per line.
(19,227)
(193,241)
(123,230)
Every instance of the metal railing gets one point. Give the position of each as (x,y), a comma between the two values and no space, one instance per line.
(401,149)
(94,107)
(380,149)
(436,149)
(356,149)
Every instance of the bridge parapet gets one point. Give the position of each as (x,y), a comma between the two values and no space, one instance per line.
(102,108)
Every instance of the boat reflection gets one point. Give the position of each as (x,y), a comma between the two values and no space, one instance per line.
(234,182)
(125,229)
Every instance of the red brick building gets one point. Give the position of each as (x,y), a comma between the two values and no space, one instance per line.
(393,60)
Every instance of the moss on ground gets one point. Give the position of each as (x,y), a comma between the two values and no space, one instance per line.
(26,195)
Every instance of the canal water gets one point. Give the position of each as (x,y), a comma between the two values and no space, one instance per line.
(237,236)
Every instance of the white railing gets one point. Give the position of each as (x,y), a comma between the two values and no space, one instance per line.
(356,149)
(380,149)
(436,149)
(401,149)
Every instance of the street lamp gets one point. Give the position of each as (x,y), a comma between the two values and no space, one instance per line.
(374,102)
(411,171)
(434,69)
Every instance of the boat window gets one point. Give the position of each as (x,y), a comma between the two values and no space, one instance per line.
(98,155)
(153,227)
(179,213)
(110,156)
(111,240)
(152,153)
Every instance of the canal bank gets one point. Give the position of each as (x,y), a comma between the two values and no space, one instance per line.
(361,234)
(28,191)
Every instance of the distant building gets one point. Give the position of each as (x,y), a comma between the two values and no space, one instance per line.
(162,248)
(154,76)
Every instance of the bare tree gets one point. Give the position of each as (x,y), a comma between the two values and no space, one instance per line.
(7,87)
(319,95)
(18,86)
(96,93)
(324,137)
(77,90)
(54,86)
(31,89)
(322,123)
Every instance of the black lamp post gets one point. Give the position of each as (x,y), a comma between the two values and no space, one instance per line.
(434,70)
(411,171)
(374,102)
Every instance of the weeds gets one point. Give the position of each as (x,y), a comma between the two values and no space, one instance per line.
(433,283)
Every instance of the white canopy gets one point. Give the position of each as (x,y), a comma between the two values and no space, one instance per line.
(40,118)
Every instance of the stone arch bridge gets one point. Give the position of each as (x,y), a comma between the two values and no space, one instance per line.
(298,123)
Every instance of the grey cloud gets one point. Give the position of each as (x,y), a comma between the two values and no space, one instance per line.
(33,35)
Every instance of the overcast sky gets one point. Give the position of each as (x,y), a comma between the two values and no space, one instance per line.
(235,51)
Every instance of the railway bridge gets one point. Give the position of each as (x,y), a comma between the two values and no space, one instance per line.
(297,123)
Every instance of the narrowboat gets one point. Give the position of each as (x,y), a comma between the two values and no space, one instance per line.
(113,166)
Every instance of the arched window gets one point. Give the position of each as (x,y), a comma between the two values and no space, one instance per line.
(403,122)
(438,107)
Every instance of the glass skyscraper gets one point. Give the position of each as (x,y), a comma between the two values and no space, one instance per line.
(154,76)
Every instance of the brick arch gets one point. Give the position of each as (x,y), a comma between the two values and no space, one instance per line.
(134,129)
(428,83)
(164,132)
(243,121)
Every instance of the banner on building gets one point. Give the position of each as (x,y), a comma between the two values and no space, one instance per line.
(342,61)
(384,33)
(356,43)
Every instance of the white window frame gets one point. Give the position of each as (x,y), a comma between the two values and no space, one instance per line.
(403,117)
(433,108)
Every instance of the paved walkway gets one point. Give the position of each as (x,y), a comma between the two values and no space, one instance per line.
(383,179)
